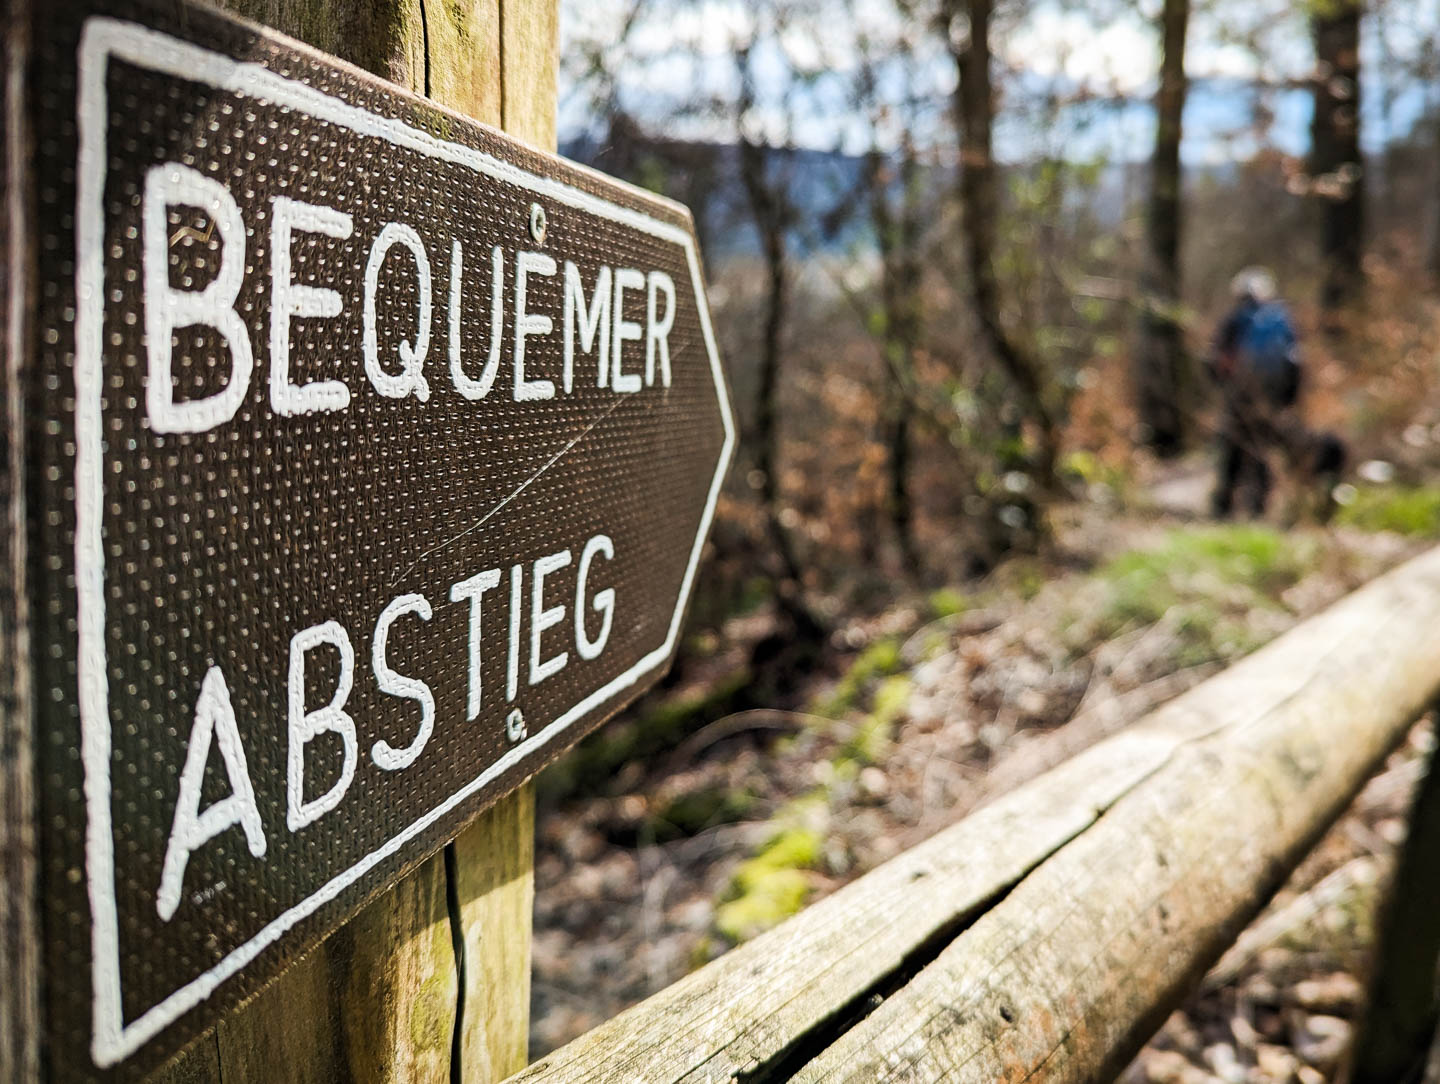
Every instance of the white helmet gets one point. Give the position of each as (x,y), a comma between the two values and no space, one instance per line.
(1256,283)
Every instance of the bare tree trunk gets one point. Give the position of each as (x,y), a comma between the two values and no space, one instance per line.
(1159,358)
(1434,261)
(901,507)
(766,208)
(980,203)
(898,238)
(770,208)
(1336,167)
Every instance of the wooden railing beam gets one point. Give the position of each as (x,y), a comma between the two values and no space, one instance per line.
(1071,973)
(1054,929)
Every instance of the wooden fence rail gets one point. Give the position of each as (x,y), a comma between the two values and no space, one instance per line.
(1049,934)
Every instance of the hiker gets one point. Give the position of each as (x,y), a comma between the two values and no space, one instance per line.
(1255,362)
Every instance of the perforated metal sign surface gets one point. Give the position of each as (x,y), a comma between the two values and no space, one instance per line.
(370,458)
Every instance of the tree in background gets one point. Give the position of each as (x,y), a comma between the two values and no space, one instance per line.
(1336,166)
(893,186)
(1430,70)
(765,174)
(967,23)
(1159,359)
(1434,258)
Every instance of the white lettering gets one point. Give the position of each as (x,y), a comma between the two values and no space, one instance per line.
(304,726)
(512,665)
(594,321)
(542,619)
(476,389)
(167,309)
(528,323)
(289,299)
(657,331)
(214,718)
(626,278)
(411,378)
(382,752)
(474,589)
(604,600)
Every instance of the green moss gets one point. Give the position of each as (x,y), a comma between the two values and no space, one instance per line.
(947,602)
(770,887)
(1215,584)
(769,899)
(1207,635)
(795,848)
(934,642)
(1408,510)
(430,1019)
(891,700)
(872,738)
(878,660)
(1196,565)
(1087,468)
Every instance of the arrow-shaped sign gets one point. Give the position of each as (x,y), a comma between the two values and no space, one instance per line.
(376,453)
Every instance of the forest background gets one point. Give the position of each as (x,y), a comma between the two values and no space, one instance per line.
(966,260)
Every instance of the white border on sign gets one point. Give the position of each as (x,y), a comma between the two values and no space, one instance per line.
(102,39)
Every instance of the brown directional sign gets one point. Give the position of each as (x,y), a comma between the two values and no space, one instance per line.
(368,460)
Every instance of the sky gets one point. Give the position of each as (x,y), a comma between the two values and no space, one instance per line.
(679,59)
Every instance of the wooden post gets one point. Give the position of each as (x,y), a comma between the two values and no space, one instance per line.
(1398,1025)
(438,969)
(19,933)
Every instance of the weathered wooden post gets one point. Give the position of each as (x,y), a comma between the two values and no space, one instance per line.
(360,463)
(1397,1028)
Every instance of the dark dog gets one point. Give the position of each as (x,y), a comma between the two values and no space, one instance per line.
(1317,462)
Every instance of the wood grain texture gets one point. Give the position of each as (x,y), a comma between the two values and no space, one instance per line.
(1068,975)
(375,1002)
(19,931)
(529,48)
(464,40)
(385,37)
(1102,902)
(495,885)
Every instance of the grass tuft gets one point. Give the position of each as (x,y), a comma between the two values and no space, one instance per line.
(1195,565)
(1219,588)
(1407,510)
